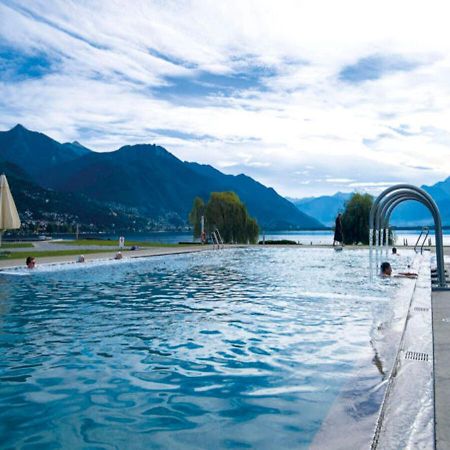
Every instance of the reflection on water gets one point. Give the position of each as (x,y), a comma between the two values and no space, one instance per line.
(377,361)
(244,348)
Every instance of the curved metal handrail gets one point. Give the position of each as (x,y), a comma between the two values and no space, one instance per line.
(404,191)
(387,207)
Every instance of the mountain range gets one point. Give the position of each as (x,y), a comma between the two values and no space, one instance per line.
(408,214)
(141,184)
(324,208)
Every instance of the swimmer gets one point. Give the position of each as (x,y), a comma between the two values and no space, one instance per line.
(386,271)
(30,262)
(118,255)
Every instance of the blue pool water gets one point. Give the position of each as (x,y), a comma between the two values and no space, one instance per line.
(244,348)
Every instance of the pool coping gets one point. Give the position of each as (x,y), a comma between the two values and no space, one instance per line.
(107,256)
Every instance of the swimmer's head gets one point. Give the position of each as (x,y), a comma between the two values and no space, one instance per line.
(386,269)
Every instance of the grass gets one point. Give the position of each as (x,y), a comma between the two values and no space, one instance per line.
(115,244)
(110,246)
(16,245)
(40,254)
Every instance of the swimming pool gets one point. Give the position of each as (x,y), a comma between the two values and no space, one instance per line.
(245,348)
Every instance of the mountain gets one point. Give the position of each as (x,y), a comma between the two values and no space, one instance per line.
(407,214)
(37,204)
(259,199)
(144,178)
(413,213)
(323,208)
(36,152)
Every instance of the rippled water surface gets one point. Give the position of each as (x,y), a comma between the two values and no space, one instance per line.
(232,349)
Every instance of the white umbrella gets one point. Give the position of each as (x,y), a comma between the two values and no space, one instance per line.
(9,218)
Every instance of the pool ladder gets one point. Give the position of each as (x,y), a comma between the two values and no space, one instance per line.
(217,239)
(424,232)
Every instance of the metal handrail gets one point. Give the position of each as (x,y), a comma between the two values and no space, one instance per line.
(390,195)
(215,239)
(422,232)
(220,237)
(424,240)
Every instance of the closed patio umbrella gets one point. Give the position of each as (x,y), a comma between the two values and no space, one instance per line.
(9,218)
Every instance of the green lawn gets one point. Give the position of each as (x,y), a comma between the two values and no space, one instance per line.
(39,254)
(16,245)
(88,242)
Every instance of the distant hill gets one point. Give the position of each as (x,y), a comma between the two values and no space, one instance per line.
(323,208)
(144,178)
(408,214)
(413,213)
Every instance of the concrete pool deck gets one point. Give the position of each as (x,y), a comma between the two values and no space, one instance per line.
(440,306)
(441,346)
(151,251)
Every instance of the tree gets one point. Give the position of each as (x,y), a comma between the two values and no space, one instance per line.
(228,214)
(198,210)
(355,219)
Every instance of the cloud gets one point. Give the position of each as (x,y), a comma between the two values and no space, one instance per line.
(339,180)
(421,167)
(283,92)
(371,184)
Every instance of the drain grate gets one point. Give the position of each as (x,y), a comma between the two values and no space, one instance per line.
(416,356)
(420,308)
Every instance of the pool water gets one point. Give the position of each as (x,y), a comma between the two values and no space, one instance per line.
(244,348)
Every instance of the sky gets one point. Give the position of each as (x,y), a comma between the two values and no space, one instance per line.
(308,97)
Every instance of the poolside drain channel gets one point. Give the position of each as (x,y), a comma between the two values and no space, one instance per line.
(416,356)
(420,308)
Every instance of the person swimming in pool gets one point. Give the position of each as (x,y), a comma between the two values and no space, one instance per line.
(30,262)
(386,271)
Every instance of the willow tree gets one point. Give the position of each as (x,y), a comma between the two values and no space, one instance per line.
(198,210)
(355,219)
(228,214)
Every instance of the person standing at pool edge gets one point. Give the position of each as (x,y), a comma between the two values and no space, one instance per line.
(338,235)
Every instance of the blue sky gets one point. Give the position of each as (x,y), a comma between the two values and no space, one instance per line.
(308,97)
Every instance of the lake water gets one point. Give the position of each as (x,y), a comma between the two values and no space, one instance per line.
(304,237)
(242,348)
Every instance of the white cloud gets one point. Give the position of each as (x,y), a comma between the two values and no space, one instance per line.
(339,180)
(297,123)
